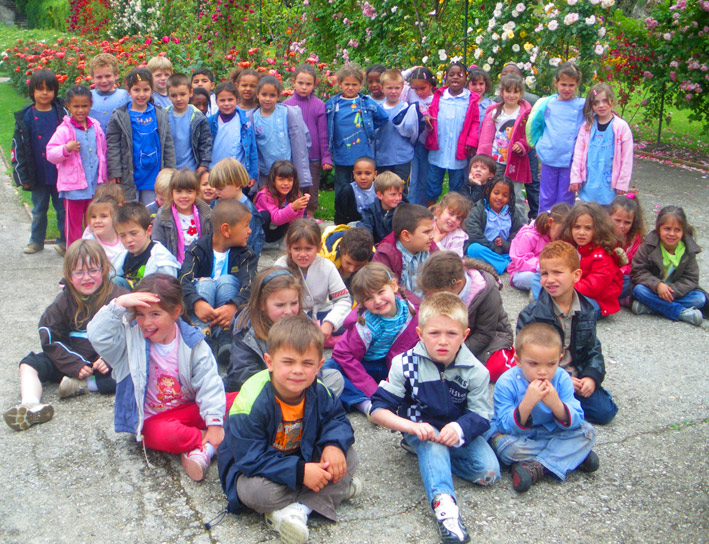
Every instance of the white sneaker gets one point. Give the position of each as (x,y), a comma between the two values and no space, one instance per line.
(196,463)
(23,416)
(691,315)
(354,490)
(72,387)
(291,523)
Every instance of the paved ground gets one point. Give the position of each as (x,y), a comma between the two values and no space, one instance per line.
(75,480)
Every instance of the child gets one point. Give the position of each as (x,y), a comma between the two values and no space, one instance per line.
(106,96)
(603,159)
(139,140)
(479,82)
(304,80)
(440,390)
(289,450)
(553,125)
(280,202)
(349,249)
(422,83)
(161,70)
(143,256)
(162,191)
(453,122)
(627,218)
(665,272)
(502,136)
(482,170)
(190,129)
(202,101)
(354,197)
(352,120)
(449,214)
(478,286)
(206,191)
(374,84)
(100,215)
(203,78)
(326,299)
(168,388)
(67,357)
(34,126)
(588,228)
(246,82)
(377,217)
(184,217)
(112,190)
(560,306)
(78,148)
(493,224)
(538,426)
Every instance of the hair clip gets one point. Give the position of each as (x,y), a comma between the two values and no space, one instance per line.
(595,92)
(631,196)
(138,77)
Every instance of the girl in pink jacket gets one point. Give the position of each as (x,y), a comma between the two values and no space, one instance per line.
(78,148)
(603,156)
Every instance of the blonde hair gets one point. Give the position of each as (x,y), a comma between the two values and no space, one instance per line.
(391,76)
(228,171)
(445,304)
(159,63)
(387,180)
(539,334)
(162,181)
(591,96)
(103,60)
(457,203)
(91,253)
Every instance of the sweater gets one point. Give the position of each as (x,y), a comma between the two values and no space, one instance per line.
(165,229)
(280,215)
(313,110)
(200,136)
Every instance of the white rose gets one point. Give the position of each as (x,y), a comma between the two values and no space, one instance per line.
(479,40)
(571,18)
(496,13)
(590,20)
(598,50)
(607,3)
(490,60)
(495,36)
(424,60)
(499,5)
(520,7)
(515,48)
(515,13)
(555,61)
(602,31)
(478,53)
(572,2)
(530,81)
(486,67)
(553,25)
(442,55)
(495,48)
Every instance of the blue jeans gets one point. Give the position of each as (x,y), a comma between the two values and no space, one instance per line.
(419,175)
(41,195)
(626,287)
(343,176)
(217,292)
(350,394)
(596,308)
(533,188)
(473,461)
(434,185)
(120,281)
(599,408)
(499,261)
(528,280)
(671,310)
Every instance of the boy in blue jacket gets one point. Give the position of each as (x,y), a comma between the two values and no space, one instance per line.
(288,445)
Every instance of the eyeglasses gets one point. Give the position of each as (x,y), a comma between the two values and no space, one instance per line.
(91,272)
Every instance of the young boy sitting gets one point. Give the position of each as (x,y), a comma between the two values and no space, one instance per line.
(143,256)
(574,318)
(482,170)
(408,247)
(288,447)
(440,390)
(377,217)
(538,426)
(352,199)
(161,69)
(349,249)
(106,96)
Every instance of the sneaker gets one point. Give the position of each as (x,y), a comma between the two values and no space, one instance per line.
(61,249)
(354,490)
(525,474)
(406,446)
(23,416)
(448,517)
(291,523)
(196,463)
(590,464)
(72,387)
(691,315)
(638,308)
(32,248)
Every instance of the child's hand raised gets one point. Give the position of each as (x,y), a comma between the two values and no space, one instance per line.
(665,292)
(72,146)
(335,458)
(316,475)
(137,300)
(422,431)
(301,202)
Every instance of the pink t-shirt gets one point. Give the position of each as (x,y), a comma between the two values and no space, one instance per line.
(164,391)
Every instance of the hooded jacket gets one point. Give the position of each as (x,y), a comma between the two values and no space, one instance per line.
(469,133)
(165,229)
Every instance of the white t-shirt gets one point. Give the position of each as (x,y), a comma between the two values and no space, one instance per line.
(219,263)
(504,124)
(189,228)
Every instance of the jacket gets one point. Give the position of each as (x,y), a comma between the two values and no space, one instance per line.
(535,121)
(584,346)
(630,252)
(517,168)
(622,167)
(119,155)
(469,133)
(121,344)
(376,220)
(161,260)
(372,118)
(248,140)
(601,279)
(165,229)
(70,170)
(246,353)
(200,137)
(525,249)
(313,110)
(346,207)
(264,201)
(475,227)
(251,429)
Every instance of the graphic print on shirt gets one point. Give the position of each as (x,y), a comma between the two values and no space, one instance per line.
(169,393)
(501,144)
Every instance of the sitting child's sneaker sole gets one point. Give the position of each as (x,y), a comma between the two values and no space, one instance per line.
(21,418)
(291,530)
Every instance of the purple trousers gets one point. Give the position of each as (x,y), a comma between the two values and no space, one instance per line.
(554,187)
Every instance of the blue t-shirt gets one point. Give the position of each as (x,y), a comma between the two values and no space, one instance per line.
(498,224)
(104,104)
(42,125)
(161,100)
(180,127)
(350,140)
(146,147)
(272,139)
(89,161)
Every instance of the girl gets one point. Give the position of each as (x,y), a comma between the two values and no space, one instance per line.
(603,159)
(100,216)
(168,390)
(374,85)
(78,148)
(67,357)
(139,140)
(184,217)
(246,82)
(453,123)
(665,271)
(627,218)
(449,214)
(326,299)
(280,202)
(528,244)
(386,326)
(206,191)
(201,100)
(352,120)
(553,125)
(479,82)
(492,224)
(588,228)
(423,83)
(502,136)
(478,285)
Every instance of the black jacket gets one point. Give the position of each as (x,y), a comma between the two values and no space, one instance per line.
(377,221)
(346,206)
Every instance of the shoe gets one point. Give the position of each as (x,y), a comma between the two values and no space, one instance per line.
(448,517)
(691,315)
(638,308)
(406,446)
(32,248)
(590,464)
(525,474)
(291,523)
(61,249)
(196,463)
(72,387)
(624,302)
(223,348)
(354,490)
(23,416)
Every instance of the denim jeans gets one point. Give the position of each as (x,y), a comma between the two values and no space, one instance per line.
(626,287)
(473,461)
(343,176)
(596,308)
(419,175)
(217,292)
(350,394)
(41,195)
(671,310)
(434,185)
(528,280)
(599,408)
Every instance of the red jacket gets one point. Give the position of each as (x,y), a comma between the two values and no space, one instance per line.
(601,279)
(469,134)
(517,168)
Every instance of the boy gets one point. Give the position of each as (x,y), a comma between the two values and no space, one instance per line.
(106,96)
(203,78)
(288,448)
(354,197)
(377,217)
(161,69)
(349,249)
(190,129)
(538,426)
(34,126)
(482,170)
(408,247)
(440,389)
(574,318)
(162,191)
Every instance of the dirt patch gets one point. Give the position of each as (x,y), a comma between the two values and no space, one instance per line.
(674,152)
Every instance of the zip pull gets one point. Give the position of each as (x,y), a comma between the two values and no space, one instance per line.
(219,517)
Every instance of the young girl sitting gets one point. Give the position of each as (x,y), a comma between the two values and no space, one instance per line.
(67,357)
(478,285)
(184,217)
(492,224)
(627,217)
(665,271)
(603,159)
(100,216)
(280,202)
(168,390)
(449,214)
(588,228)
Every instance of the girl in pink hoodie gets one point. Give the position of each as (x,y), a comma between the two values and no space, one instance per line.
(280,202)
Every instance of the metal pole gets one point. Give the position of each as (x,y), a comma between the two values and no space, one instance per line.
(465,36)
(662,111)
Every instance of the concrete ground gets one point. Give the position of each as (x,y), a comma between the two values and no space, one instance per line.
(75,480)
